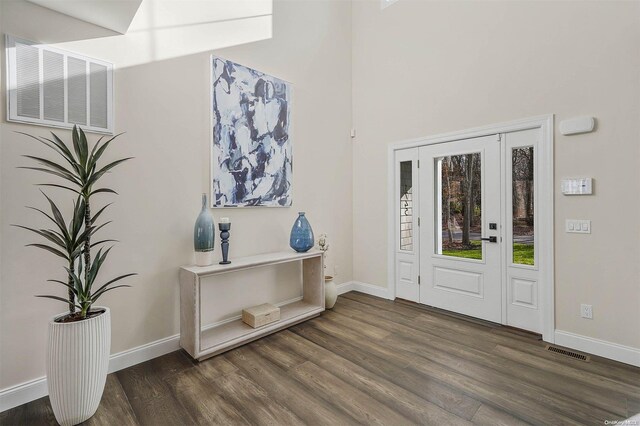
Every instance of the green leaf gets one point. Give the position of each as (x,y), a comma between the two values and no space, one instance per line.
(96,229)
(50,249)
(77,281)
(95,146)
(93,160)
(52,172)
(55,298)
(63,147)
(97,215)
(104,241)
(57,146)
(52,165)
(64,284)
(84,146)
(59,219)
(49,235)
(75,138)
(96,296)
(95,267)
(115,280)
(58,186)
(44,213)
(78,216)
(97,191)
(97,175)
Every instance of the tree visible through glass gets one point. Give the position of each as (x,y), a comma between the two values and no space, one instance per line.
(461,206)
(522,204)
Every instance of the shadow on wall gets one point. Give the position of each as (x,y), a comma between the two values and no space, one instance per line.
(162,29)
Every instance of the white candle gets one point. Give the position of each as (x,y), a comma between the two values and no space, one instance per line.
(225,220)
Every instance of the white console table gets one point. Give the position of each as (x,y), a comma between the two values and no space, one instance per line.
(201,344)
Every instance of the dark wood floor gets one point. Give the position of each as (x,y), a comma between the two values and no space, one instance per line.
(368,361)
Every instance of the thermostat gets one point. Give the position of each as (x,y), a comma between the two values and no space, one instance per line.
(577,186)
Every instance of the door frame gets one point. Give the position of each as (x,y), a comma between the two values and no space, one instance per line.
(545,190)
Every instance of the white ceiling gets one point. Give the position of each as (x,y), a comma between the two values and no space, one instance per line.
(115,15)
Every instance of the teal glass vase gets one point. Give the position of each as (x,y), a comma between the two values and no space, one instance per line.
(301,238)
(203,232)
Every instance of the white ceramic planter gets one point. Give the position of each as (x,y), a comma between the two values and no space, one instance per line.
(330,292)
(77,365)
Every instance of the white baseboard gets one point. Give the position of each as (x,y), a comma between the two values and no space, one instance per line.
(37,388)
(602,348)
(373,290)
(143,353)
(23,393)
(345,287)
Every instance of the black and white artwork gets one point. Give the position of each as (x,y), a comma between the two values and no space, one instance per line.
(251,156)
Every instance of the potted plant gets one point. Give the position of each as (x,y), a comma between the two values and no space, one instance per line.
(330,289)
(80,339)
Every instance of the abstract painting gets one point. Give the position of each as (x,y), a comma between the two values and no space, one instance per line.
(251,153)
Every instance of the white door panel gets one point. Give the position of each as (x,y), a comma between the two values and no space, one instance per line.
(460,183)
(521,234)
(407,265)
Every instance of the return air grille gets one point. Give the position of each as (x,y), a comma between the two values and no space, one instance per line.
(53,87)
(570,354)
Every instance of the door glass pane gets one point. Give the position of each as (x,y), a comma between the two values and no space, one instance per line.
(459,206)
(406,206)
(523,211)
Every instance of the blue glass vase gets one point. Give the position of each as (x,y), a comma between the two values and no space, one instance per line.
(301,238)
(203,232)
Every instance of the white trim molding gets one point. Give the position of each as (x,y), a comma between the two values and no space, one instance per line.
(23,393)
(371,289)
(37,388)
(602,348)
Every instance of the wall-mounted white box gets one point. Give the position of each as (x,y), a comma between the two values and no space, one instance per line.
(577,186)
(578,226)
(577,125)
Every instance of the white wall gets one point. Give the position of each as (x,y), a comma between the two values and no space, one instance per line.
(162,102)
(427,67)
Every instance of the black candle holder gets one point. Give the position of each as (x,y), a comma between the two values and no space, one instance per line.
(224,237)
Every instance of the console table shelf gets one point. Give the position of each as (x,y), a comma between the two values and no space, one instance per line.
(203,343)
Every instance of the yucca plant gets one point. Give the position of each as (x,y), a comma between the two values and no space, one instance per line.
(73,241)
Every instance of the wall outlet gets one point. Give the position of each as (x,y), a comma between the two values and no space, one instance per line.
(586,311)
(335,271)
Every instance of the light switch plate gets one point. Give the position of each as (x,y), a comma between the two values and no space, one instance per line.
(578,226)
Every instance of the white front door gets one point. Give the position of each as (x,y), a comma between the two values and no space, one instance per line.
(473,226)
(461,234)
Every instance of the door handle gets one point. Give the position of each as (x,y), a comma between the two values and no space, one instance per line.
(490,239)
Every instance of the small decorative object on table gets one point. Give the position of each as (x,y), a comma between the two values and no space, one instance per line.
(260,315)
(330,289)
(224,226)
(301,239)
(203,235)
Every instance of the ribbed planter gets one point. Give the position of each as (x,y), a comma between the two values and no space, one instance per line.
(77,365)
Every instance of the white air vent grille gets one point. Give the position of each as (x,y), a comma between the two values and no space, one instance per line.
(99,91)
(52,87)
(27,81)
